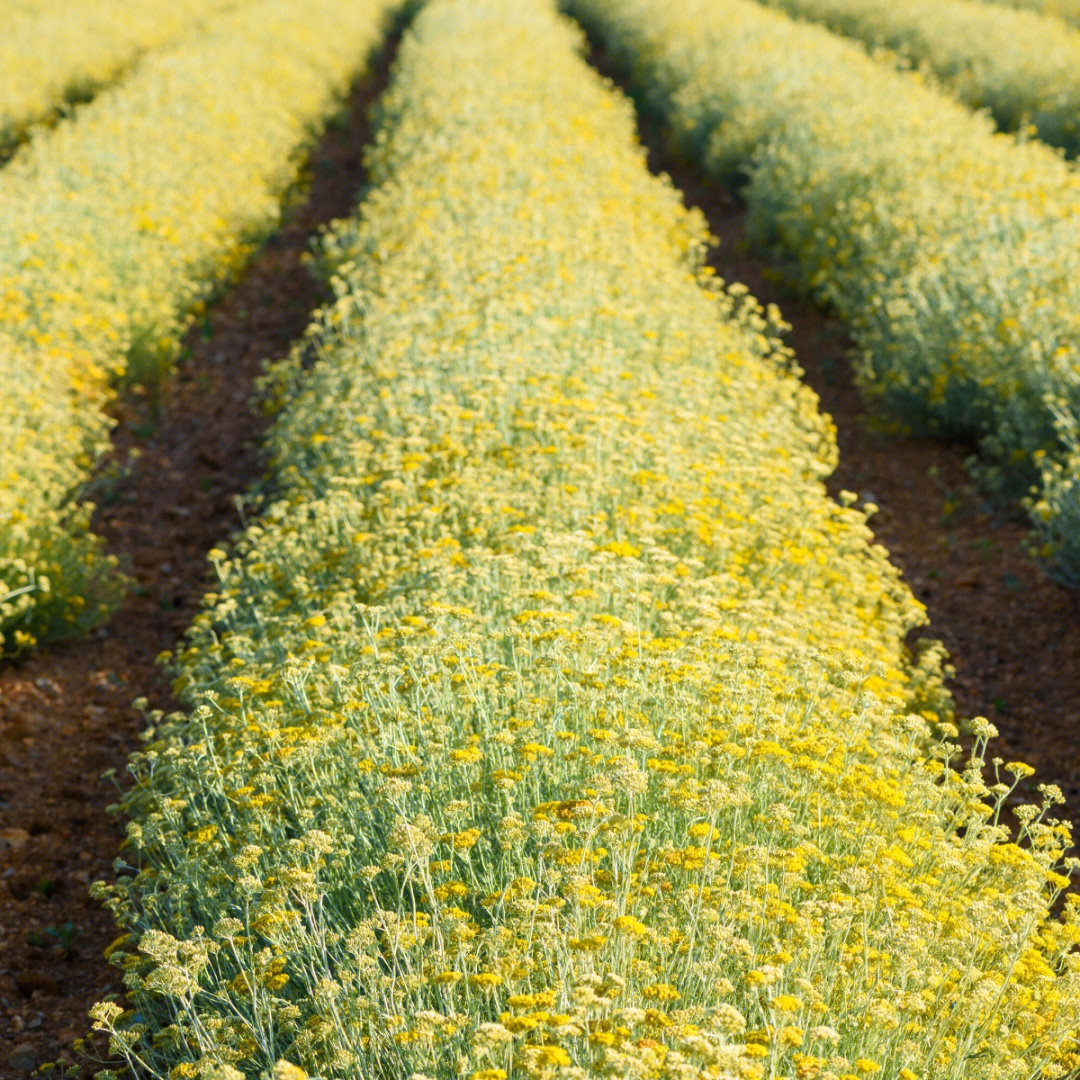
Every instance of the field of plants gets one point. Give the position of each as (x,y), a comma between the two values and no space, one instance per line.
(115,228)
(950,251)
(1065,9)
(1022,66)
(546,717)
(89,46)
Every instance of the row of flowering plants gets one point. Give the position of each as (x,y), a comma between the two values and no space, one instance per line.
(1021,65)
(550,720)
(952,251)
(1063,9)
(114,227)
(56,51)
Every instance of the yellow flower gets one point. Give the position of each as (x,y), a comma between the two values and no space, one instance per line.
(283,1070)
(545,1057)
(786,1003)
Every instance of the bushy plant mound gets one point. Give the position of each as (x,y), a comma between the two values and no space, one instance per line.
(953,252)
(1069,10)
(1022,66)
(115,226)
(551,721)
(54,52)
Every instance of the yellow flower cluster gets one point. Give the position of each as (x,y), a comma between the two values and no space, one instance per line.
(551,721)
(1069,10)
(1024,67)
(115,227)
(952,251)
(58,51)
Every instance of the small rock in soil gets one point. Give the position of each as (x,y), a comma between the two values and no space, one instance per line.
(13,838)
(23,1058)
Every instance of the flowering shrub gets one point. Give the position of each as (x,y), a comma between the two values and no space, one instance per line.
(1022,66)
(57,49)
(951,251)
(551,721)
(1069,10)
(1058,507)
(115,227)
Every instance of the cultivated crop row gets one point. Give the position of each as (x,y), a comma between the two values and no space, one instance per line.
(53,51)
(1024,67)
(1064,9)
(551,720)
(115,227)
(951,251)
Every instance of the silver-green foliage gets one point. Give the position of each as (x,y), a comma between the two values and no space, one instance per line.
(1022,66)
(551,720)
(953,252)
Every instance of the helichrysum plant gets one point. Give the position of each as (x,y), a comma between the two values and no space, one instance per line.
(953,252)
(551,721)
(1022,66)
(116,226)
(56,51)
(1069,10)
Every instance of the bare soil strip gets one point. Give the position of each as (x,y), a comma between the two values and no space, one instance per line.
(181,455)
(1013,635)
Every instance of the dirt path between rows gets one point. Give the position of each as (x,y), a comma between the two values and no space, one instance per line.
(65,712)
(1013,635)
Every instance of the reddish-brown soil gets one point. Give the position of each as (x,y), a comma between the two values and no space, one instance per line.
(65,712)
(1012,634)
